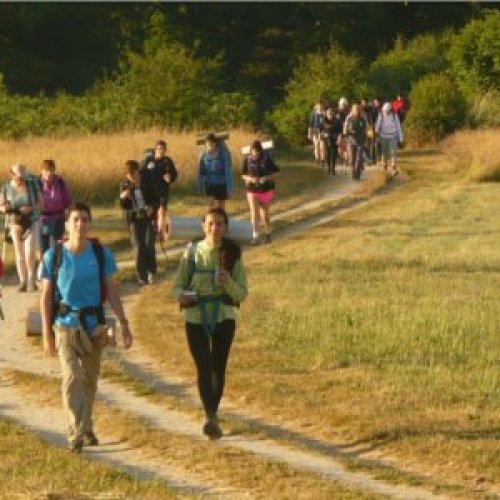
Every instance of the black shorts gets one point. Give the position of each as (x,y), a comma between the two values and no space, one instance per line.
(218,191)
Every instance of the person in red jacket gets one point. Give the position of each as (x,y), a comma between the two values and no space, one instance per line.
(400,106)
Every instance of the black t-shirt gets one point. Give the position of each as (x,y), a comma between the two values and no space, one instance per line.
(155,189)
(259,168)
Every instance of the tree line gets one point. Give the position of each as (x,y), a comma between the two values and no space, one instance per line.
(106,67)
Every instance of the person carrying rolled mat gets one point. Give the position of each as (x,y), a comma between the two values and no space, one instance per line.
(215,178)
(258,173)
(20,200)
(210,285)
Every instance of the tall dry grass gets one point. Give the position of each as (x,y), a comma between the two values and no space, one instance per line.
(475,152)
(93,164)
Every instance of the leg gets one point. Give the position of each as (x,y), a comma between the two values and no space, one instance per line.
(137,238)
(30,245)
(221,345)
(265,217)
(73,391)
(91,367)
(149,240)
(22,271)
(199,346)
(254,215)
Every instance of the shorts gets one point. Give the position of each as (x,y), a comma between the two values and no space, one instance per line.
(263,197)
(217,191)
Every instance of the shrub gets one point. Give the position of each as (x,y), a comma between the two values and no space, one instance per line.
(437,108)
(475,55)
(485,110)
(329,74)
(396,70)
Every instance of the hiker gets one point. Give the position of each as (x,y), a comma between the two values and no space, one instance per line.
(140,223)
(76,278)
(20,201)
(355,131)
(55,199)
(400,107)
(210,284)
(390,134)
(314,132)
(258,173)
(157,173)
(331,131)
(215,177)
(342,114)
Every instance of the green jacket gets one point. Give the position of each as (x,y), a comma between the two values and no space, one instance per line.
(206,258)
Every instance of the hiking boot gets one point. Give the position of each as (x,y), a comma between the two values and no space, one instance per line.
(90,439)
(212,430)
(22,287)
(76,445)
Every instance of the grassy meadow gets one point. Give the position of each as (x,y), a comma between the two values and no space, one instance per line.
(93,167)
(378,330)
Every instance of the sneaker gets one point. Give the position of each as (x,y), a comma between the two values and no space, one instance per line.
(22,287)
(267,238)
(151,278)
(142,282)
(212,430)
(255,241)
(76,445)
(90,439)
(32,287)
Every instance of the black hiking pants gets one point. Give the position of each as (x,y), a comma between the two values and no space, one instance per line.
(332,153)
(210,354)
(142,237)
(357,160)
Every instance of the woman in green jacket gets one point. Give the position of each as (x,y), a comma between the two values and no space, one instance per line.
(210,285)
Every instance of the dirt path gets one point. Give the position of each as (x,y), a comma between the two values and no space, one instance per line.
(19,353)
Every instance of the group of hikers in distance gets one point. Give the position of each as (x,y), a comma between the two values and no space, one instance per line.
(76,274)
(365,131)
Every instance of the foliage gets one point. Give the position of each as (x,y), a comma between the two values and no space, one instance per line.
(329,75)
(438,108)
(475,55)
(396,70)
(485,110)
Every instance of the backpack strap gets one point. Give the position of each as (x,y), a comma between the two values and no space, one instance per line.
(99,255)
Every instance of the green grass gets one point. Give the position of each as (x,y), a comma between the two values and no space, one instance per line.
(380,328)
(30,468)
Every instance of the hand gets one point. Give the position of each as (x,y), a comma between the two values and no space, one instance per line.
(127,336)
(49,345)
(222,276)
(7,207)
(186,300)
(167,178)
(25,210)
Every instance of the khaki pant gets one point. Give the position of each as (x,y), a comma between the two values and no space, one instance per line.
(80,360)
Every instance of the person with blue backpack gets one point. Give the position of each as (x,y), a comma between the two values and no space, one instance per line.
(210,285)
(215,178)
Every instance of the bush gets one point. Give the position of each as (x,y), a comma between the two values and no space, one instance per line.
(485,110)
(396,70)
(330,74)
(475,55)
(437,109)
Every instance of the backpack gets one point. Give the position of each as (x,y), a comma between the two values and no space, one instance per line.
(57,306)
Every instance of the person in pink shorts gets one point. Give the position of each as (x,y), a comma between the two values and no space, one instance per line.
(259,172)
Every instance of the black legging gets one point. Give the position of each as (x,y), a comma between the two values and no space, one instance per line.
(210,356)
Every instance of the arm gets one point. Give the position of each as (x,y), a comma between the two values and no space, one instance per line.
(182,281)
(399,129)
(49,346)
(236,283)
(116,304)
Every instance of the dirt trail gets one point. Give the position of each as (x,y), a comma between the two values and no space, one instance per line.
(19,353)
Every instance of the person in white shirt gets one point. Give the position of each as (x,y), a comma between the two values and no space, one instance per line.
(389,132)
